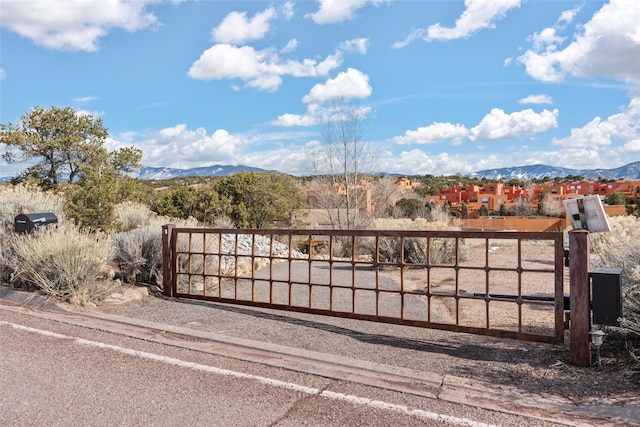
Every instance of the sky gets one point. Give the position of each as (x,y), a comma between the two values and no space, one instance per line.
(444,87)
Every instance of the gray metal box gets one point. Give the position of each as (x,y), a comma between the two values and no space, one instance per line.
(606,296)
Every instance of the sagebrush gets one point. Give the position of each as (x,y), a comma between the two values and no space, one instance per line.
(18,199)
(138,252)
(63,261)
(620,248)
(416,250)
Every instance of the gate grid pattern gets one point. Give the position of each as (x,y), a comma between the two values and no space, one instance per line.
(504,284)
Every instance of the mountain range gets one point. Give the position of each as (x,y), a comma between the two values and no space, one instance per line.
(630,171)
(214,170)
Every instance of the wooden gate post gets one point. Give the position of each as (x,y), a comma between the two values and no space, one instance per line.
(167,260)
(579,264)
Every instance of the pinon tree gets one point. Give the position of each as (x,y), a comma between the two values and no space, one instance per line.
(616,198)
(259,199)
(101,185)
(64,146)
(57,143)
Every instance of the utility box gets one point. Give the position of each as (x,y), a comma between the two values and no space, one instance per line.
(26,223)
(606,296)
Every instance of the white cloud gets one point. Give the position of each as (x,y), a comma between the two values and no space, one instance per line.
(592,146)
(595,133)
(434,133)
(631,147)
(180,147)
(75,25)
(94,114)
(288,120)
(262,69)
(227,61)
(292,159)
(478,15)
(290,47)
(236,28)
(499,125)
(84,99)
(600,133)
(491,162)
(356,45)
(536,99)
(3,74)
(287,10)
(265,82)
(495,125)
(332,11)
(350,84)
(608,45)
(568,15)
(419,162)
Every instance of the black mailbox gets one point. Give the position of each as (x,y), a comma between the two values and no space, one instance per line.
(606,296)
(26,223)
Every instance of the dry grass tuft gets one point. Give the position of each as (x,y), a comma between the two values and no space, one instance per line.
(138,251)
(18,199)
(64,262)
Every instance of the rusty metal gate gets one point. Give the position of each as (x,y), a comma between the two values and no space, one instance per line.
(502,283)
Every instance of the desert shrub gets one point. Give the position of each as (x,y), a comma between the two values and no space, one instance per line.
(417,250)
(223,222)
(620,248)
(130,215)
(22,198)
(439,214)
(65,262)
(138,252)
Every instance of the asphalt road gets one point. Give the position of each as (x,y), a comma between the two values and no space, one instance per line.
(56,373)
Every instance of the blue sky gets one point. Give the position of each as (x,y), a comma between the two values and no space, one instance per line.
(447,86)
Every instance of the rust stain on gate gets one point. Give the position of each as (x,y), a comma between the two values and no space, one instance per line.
(504,284)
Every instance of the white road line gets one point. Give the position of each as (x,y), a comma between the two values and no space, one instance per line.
(432,416)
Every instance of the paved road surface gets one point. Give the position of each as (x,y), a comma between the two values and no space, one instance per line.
(56,373)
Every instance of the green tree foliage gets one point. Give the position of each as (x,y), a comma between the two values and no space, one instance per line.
(464,211)
(202,203)
(64,146)
(58,141)
(484,210)
(411,208)
(101,186)
(431,185)
(616,198)
(503,210)
(259,199)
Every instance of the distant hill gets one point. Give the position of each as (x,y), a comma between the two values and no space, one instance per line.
(630,171)
(168,173)
(215,170)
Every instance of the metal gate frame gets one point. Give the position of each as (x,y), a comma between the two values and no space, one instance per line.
(179,274)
